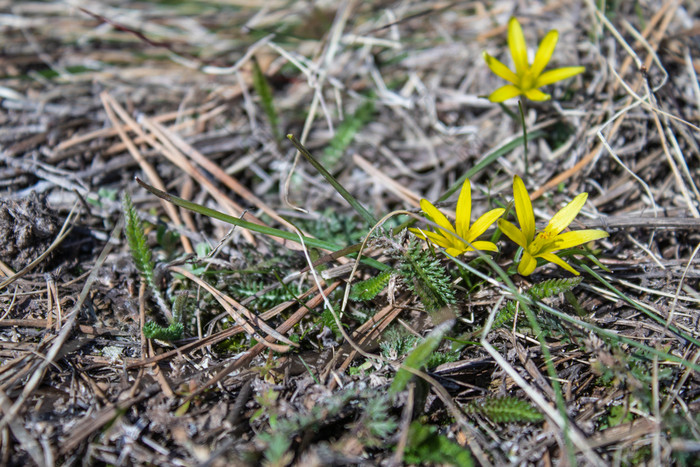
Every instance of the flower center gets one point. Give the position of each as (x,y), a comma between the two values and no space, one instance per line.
(527,81)
(540,242)
(545,235)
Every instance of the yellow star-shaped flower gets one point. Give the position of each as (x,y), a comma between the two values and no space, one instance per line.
(527,79)
(448,238)
(550,239)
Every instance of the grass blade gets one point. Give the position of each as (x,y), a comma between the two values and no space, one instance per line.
(263,229)
(488,159)
(262,87)
(346,133)
(651,315)
(369,218)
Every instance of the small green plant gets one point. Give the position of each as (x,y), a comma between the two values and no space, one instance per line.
(346,132)
(176,328)
(426,446)
(505,410)
(440,358)
(138,243)
(143,259)
(426,277)
(376,424)
(282,432)
(616,415)
(259,294)
(153,330)
(370,288)
(328,320)
(420,355)
(420,271)
(396,343)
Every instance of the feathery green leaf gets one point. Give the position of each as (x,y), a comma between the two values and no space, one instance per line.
(505,410)
(425,276)
(173,332)
(138,244)
(370,288)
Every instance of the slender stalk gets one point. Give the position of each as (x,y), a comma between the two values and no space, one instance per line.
(356,205)
(263,229)
(521,108)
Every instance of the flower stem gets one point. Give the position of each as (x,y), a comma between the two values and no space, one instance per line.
(521,107)
(510,113)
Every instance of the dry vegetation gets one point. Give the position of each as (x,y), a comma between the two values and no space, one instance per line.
(388,97)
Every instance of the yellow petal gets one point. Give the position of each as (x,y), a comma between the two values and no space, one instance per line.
(418,233)
(433,237)
(500,69)
(437,217)
(578,237)
(566,215)
(517,46)
(537,95)
(552,76)
(512,232)
(544,52)
(504,93)
(527,264)
(439,240)
(483,246)
(455,251)
(523,209)
(552,258)
(483,223)
(544,244)
(464,210)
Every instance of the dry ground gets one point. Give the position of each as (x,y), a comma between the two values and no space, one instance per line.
(389,97)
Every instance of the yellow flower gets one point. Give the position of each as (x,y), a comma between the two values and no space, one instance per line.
(550,239)
(527,79)
(448,238)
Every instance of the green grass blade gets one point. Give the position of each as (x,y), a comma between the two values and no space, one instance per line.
(526,301)
(488,159)
(262,88)
(346,133)
(263,229)
(651,315)
(369,218)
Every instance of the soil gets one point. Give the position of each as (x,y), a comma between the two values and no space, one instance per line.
(27,228)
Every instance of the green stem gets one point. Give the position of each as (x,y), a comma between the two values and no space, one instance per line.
(521,107)
(510,113)
(263,229)
(369,218)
